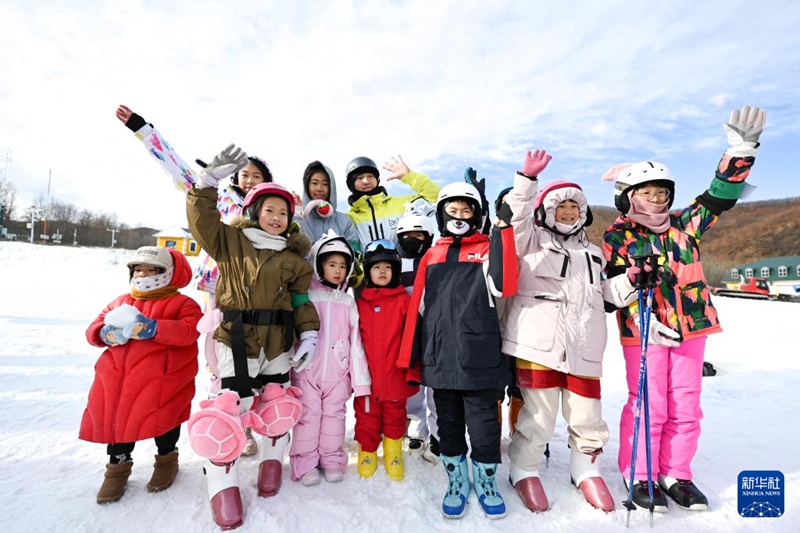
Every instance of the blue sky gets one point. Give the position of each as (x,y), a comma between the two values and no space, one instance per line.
(446,84)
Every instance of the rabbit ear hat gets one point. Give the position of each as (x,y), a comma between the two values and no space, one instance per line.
(629,176)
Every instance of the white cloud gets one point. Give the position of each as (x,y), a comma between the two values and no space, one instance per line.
(440,82)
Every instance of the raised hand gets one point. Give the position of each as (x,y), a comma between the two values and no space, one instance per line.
(396,167)
(744,129)
(131,120)
(124,113)
(535,162)
(230,160)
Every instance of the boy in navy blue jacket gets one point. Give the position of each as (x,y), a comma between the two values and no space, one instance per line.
(452,342)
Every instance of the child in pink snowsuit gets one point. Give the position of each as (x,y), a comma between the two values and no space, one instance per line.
(339,368)
(682,313)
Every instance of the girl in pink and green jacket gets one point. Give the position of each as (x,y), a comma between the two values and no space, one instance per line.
(682,312)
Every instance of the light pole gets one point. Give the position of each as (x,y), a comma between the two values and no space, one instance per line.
(113,232)
(34,212)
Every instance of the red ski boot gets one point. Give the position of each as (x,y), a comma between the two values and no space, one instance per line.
(223,491)
(586,477)
(532,494)
(270,470)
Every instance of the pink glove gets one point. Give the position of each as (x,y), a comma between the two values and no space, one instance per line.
(535,162)
(642,277)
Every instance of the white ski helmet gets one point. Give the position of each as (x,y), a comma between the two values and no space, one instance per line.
(328,243)
(459,190)
(416,223)
(639,174)
(413,247)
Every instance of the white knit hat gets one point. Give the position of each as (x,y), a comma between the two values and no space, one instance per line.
(154,256)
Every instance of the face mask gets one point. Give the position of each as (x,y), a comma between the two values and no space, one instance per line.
(413,247)
(151,283)
(566,229)
(456,226)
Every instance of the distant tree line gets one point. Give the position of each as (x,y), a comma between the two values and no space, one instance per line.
(65,224)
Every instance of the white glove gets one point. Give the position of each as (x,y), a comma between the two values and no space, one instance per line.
(231,159)
(305,350)
(743,131)
(660,334)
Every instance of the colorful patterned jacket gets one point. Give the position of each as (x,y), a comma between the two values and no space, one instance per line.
(681,301)
(229,201)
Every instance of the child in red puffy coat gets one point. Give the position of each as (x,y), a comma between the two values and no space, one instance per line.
(382,308)
(144,380)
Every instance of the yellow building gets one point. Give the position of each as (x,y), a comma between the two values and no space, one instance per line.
(178,238)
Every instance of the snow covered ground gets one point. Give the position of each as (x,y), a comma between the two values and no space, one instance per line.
(48,296)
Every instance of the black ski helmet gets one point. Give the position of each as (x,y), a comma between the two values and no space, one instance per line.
(382,250)
(358,166)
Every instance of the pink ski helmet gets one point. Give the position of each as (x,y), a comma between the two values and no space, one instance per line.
(267,189)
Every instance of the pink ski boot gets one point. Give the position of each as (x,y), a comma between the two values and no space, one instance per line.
(224,494)
(586,477)
(278,411)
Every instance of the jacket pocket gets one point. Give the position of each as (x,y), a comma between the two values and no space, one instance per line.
(693,306)
(480,344)
(429,344)
(537,322)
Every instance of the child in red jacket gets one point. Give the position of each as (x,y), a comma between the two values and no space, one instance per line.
(382,308)
(144,380)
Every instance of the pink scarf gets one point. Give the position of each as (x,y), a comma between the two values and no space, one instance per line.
(654,217)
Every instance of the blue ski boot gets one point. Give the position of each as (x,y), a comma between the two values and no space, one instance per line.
(486,489)
(455,501)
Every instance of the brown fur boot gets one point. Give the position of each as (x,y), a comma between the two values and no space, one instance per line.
(116,479)
(164,471)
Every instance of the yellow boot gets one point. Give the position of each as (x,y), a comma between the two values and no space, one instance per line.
(367,463)
(393,458)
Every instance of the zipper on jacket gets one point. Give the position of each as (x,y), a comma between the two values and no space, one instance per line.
(589,265)
(326,338)
(374,220)
(247,296)
(564,266)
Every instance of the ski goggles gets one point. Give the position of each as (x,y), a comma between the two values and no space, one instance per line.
(380,245)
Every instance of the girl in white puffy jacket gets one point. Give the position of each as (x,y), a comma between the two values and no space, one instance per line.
(555,326)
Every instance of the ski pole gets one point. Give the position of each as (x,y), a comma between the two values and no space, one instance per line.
(646,399)
(645,305)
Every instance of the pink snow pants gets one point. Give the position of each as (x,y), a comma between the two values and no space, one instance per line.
(674,377)
(318,437)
